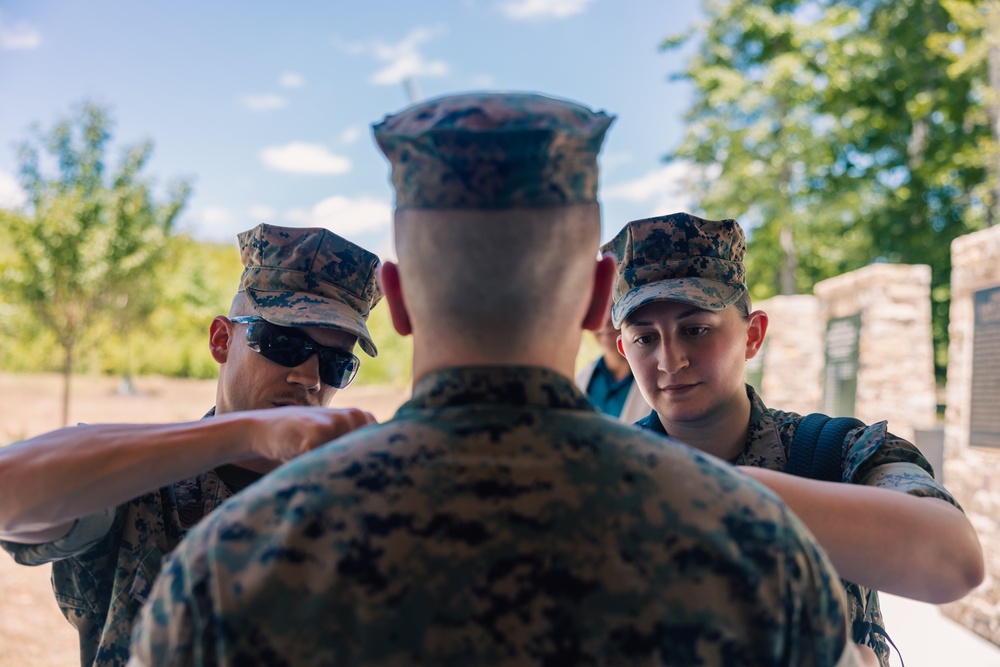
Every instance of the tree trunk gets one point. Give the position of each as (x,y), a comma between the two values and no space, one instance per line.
(791,263)
(993,102)
(67,377)
(786,239)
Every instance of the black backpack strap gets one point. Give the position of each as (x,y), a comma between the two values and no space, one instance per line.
(817,450)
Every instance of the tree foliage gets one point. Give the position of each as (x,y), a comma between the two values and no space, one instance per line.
(90,243)
(197,284)
(842,133)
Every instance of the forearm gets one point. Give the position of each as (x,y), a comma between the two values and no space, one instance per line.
(49,481)
(920,548)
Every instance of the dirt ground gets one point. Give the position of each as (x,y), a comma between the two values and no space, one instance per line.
(32,631)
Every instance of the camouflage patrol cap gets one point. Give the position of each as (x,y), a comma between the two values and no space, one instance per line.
(302,277)
(677,257)
(493,151)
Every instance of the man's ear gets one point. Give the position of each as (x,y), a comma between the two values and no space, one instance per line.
(220,337)
(604,279)
(756,330)
(388,277)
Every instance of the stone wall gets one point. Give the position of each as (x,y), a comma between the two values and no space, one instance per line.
(895,380)
(973,473)
(895,376)
(895,373)
(792,356)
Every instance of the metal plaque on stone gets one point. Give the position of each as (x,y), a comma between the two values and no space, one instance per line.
(984,408)
(840,374)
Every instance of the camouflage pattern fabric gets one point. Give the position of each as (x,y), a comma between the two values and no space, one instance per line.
(100,586)
(299,277)
(493,151)
(498,519)
(872,456)
(677,257)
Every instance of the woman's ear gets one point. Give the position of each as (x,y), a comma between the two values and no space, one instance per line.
(389,279)
(756,330)
(220,337)
(604,280)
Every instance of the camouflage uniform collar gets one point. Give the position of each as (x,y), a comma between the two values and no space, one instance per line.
(761,433)
(763,439)
(511,386)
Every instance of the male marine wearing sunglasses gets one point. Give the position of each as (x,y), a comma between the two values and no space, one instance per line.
(80,497)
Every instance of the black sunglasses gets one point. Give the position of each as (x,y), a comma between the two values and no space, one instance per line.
(290,347)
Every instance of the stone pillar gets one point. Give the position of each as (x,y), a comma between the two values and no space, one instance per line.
(790,365)
(973,472)
(895,365)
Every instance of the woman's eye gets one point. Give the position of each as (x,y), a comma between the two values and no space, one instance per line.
(643,340)
(696,331)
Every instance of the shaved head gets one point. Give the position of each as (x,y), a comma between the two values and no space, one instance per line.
(500,278)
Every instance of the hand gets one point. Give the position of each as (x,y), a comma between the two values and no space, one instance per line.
(281,434)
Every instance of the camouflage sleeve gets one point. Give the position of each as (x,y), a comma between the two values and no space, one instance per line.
(166,630)
(875,457)
(818,634)
(908,478)
(87,532)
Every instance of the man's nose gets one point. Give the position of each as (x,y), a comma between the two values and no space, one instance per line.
(306,374)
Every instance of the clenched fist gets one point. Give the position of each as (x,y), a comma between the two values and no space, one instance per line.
(281,434)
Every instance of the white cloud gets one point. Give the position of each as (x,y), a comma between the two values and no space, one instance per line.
(212,223)
(11,194)
(403,60)
(351,134)
(302,158)
(666,189)
(261,213)
(540,10)
(291,80)
(214,216)
(345,215)
(264,102)
(19,36)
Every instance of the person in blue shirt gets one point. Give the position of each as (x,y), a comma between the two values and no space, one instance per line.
(608,382)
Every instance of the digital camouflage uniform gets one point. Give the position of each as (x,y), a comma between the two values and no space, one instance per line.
(103,569)
(872,456)
(677,257)
(308,276)
(681,257)
(497,519)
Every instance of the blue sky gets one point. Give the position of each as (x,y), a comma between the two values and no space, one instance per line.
(267,107)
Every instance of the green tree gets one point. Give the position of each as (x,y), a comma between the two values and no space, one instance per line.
(89,244)
(841,133)
(757,129)
(199,284)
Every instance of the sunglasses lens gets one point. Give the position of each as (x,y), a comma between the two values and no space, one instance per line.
(290,348)
(338,368)
(277,344)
